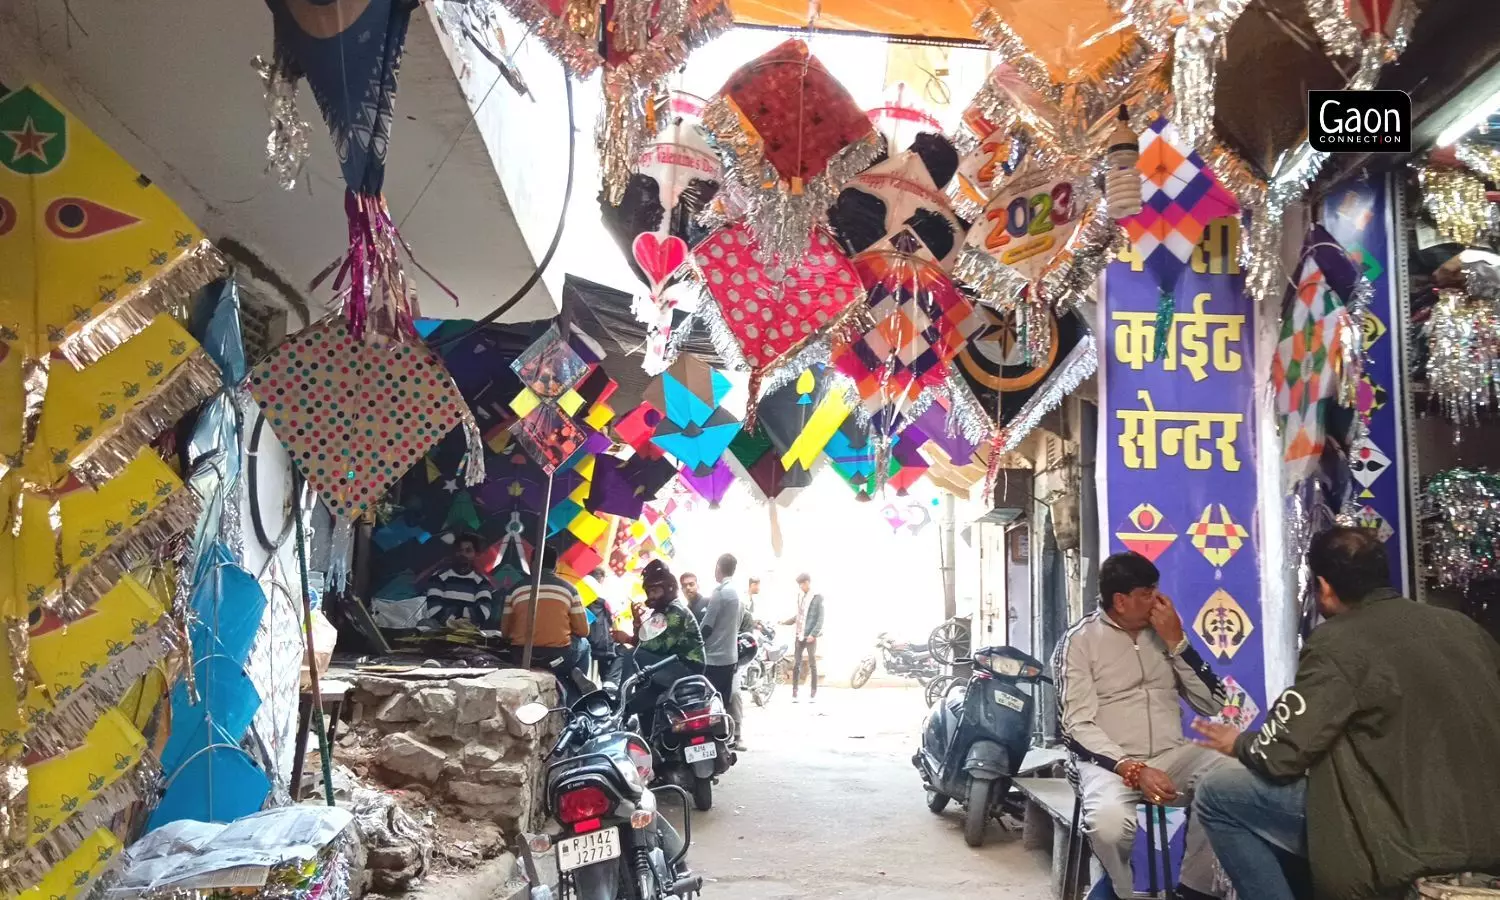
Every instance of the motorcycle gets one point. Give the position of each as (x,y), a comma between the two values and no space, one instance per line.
(613,843)
(975,739)
(692,738)
(761,675)
(899,658)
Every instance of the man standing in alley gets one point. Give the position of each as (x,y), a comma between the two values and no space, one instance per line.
(1381,763)
(460,591)
(721,629)
(809,622)
(695,601)
(1120,672)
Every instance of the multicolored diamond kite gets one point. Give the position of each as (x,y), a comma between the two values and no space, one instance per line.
(1218,539)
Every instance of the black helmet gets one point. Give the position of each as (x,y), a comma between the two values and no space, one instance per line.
(748,647)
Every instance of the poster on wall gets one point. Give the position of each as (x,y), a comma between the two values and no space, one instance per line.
(1179,448)
(1358,215)
(1177,452)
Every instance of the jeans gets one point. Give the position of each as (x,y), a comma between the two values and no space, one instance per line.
(1249,819)
(811,649)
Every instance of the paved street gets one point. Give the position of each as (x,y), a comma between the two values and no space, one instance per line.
(826,804)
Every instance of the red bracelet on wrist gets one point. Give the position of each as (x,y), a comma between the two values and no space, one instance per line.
(1131,773)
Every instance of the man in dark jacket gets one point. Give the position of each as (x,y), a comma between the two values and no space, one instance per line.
(1381,763)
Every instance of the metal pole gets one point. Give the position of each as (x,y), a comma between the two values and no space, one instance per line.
(536,574)
(948,530)
(324,750)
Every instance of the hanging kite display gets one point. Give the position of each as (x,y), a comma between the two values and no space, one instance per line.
(903,192)
(694,427)
(764,315)
(786,167)
(350,51)
(354,416)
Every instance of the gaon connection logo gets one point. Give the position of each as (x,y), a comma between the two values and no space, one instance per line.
(1352,121)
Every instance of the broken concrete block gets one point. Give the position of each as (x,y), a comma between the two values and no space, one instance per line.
(479,756)
(472,793)
(477,700)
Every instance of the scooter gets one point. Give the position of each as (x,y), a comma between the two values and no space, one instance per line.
(976,737)
(613,843)
(761,675)
(692,738)
(903,658)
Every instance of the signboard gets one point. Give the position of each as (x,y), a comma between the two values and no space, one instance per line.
(1177,457)
(1178,453)
(1358,216)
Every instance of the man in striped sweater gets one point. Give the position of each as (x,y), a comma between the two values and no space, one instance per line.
(460,591)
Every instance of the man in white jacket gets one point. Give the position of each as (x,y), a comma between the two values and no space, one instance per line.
(1120,671)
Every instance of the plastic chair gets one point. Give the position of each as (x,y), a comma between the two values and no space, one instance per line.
(1158,848)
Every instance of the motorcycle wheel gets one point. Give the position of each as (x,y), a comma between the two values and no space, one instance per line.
(923,679)
(703,794)
(937,689)
(862,674)
(937,802)
(977,815)
(763,691)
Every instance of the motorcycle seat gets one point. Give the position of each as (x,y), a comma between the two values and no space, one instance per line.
(689,691)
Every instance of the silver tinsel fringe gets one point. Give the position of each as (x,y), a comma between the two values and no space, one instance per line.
(576,54)
(26,869)
(287,141)
(77,711)
(780,220)
(623,131)
(1074,272)
(1199,47)
(994,284)
(1077,368)
(1463,506)
(966,415)
(1463,356)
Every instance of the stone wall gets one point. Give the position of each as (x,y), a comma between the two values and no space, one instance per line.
(457,740)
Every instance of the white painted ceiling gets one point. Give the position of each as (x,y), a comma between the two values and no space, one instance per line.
(168,84)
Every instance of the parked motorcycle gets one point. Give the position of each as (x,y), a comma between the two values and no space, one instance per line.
(693,738)
(763,673)
(899,658)
(975,738)
(613,843)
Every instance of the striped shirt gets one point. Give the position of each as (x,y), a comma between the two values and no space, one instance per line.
(456,595)
(562,616)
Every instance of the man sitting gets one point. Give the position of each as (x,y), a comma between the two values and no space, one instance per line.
(458,591)
(562,625)
(1381,763)
(1119,673)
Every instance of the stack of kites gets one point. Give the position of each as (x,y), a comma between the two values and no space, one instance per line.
(92,369)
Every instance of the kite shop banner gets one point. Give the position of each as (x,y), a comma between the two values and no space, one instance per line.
(1177,450)
(1358,215)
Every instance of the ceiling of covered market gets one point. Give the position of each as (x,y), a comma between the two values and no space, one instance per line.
(168,84)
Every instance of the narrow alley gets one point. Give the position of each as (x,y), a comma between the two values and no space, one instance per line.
(825,803)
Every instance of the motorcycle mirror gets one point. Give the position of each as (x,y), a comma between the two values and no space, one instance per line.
(532,713)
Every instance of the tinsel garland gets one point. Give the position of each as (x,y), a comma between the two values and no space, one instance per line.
(1463,359)
(188,385)
(1481,158)
(287,140)
(1464,531)
(141,544)
(966,415)
(1199,47)
(781,220)
(28,867)
(577,53)
(75,712)
(1074,272)
(1074,370)
(1342,36)
(683,26)
(1455,199)
(171,288)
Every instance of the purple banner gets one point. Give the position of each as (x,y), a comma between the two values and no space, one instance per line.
(1178,450)
(1358,215)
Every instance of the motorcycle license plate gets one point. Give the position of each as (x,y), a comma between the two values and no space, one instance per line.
(699,752)
(1015,703)
(587,849)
